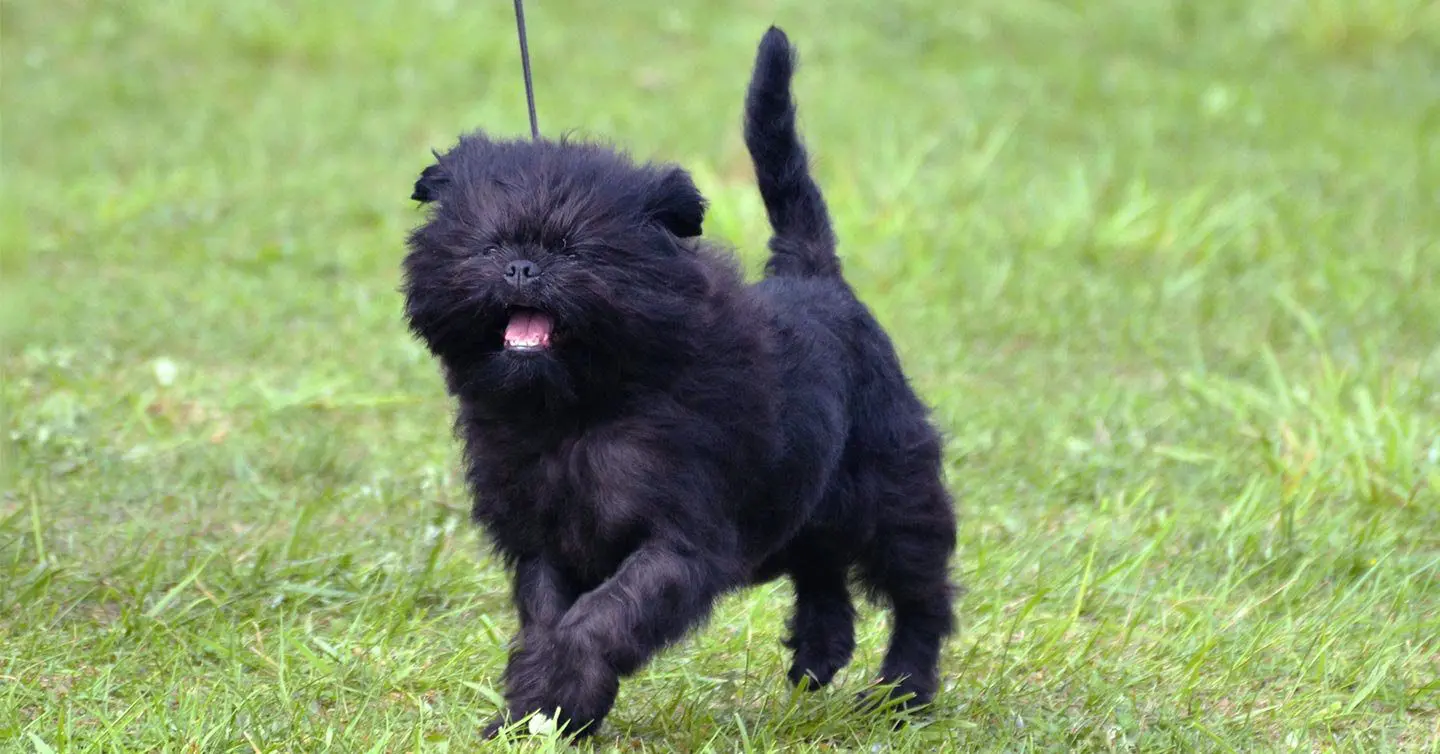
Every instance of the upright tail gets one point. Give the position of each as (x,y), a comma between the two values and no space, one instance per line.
(804,243)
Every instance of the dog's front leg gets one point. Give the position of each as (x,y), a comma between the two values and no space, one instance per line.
(542,594)
(660,591)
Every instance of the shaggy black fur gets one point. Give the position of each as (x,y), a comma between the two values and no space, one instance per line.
(680,434)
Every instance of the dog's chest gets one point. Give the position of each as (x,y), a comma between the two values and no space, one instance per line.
(578,500)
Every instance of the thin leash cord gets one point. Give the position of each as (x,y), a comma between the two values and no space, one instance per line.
(525,64)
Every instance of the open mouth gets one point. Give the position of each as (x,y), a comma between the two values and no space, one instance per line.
(528,330)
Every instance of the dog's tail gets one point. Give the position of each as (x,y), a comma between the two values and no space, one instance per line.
(804,242)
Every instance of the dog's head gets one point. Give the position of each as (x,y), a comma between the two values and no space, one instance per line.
(552,267)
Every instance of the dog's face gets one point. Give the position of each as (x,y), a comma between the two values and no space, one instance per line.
(550,268)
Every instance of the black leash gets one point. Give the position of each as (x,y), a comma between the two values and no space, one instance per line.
(525,63)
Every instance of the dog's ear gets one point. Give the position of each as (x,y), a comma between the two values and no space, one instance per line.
(676,204)
(431,181)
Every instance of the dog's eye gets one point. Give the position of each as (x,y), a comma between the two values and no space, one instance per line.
(489,249)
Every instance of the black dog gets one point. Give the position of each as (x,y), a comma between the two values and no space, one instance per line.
(645,432)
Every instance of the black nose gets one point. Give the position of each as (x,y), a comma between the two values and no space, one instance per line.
(521,272)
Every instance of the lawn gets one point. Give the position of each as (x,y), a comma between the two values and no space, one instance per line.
(1168,272)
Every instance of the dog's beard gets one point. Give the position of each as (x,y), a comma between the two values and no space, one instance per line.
(574,351)
(522,379)
(548,353)
(523,358)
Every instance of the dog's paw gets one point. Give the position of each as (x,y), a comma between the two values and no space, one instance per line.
(816,665)
(821,649)
(492,729)
(811,676)
(563,678)
(898,700)
(533,724)
(584,694)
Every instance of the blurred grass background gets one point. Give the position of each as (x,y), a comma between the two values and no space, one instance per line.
(1167,270)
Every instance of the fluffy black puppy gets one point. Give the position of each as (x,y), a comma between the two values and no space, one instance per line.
(645,432)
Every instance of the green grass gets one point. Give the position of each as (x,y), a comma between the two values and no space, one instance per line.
(1168,271)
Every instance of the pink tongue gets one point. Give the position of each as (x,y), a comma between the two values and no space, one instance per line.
(528,328)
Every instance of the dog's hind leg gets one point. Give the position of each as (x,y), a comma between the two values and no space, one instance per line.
(909,566)
(822,631)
